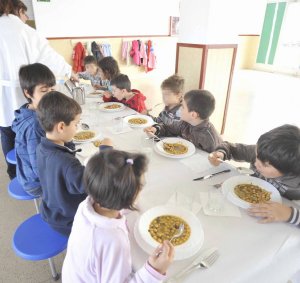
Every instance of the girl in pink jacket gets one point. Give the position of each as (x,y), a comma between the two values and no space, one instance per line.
(98,247)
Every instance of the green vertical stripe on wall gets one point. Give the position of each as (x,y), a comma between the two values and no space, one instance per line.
(266,33)
(276,32)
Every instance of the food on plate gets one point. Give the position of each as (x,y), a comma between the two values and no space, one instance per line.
(176,148)
(137,121)
(97,143)
(164,227)
(252,193)
(84,135)
(113,106)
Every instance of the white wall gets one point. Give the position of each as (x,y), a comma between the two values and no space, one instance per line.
(77,18)
(217,21)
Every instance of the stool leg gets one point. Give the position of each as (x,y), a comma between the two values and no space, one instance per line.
(36,204)
(55,275)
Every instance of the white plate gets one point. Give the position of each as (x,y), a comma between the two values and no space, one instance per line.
(105,104)
(160,150)
(228,189)
(148,244)
(96,137)
(149,123)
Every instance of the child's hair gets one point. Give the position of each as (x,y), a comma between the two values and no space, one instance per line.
(174,83)
(109,66)
(281,148)
(90,60)
(113,178)
(122,82)
(201,101)
(35,74)
(55,107)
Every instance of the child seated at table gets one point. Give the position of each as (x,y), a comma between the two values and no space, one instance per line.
(172,93)
(194,124)
(35,80)
(92,72)
(108,69)
(59,170)
(122,92)
(98,247)
(276,159)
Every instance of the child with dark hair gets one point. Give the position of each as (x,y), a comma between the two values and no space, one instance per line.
(194,124)
(59,170)
(172,92)
(108,69)
(113,180)
(276,159)
(35,80)
(122,92)
(92,72)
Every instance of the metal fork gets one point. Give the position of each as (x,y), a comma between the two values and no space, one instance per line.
(205,262)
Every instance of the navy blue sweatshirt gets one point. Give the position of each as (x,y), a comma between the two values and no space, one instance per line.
(60,175)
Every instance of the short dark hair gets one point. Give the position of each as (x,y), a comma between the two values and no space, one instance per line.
(90,60)
(281,148)
(113,178)
(201,101)
(55,107)
(175,83)
(122,82)
(109,66)
(35,74)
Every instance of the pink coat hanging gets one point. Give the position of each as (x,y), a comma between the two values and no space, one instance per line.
(135,53)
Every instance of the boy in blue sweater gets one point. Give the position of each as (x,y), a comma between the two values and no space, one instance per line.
(35,80)
(59,170)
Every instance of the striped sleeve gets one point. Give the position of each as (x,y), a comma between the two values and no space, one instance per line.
(295,217)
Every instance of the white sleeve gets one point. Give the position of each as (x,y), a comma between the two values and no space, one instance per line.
(43,53)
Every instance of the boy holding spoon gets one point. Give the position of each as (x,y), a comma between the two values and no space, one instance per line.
(276,159)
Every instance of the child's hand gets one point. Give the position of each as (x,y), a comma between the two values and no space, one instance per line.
(107,94)
(270,212)
(214,158)
(107,141)
(162,257)
(95,86)
(150,131)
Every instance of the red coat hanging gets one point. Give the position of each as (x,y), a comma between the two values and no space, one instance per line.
(78,56)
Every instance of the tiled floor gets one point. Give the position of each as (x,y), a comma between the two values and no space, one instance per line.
(259,102)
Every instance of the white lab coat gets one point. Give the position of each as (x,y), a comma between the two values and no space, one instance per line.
(20,45)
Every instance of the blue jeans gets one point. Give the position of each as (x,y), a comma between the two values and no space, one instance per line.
(8,143)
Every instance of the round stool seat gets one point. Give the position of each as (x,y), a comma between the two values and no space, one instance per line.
(34,239)
(16,190)
(11,157)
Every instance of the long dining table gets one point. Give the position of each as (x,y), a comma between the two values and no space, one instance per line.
(249,251)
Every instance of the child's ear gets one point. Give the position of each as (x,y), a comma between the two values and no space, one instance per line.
(26,93)
(60,126)
(195,115)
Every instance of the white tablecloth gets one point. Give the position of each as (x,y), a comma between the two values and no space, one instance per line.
(249,252)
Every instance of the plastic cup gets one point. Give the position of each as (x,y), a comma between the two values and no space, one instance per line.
(215,202)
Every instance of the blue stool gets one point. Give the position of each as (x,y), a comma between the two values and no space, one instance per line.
(35,240)
(11,157)
(16,191)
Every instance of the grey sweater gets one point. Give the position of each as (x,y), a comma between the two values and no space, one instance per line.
(287,185)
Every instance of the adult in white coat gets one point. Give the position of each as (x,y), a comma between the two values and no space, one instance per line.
(19,45)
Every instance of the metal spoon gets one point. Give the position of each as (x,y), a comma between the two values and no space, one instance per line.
(176,235)
(179,232)
(241,170)
(85,126)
